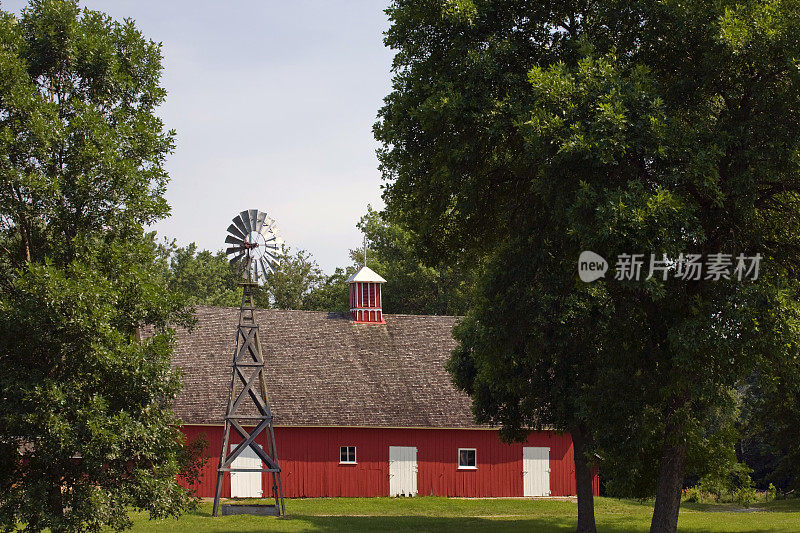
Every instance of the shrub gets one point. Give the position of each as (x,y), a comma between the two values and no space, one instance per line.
(745,495)
(771,493)
(692,494)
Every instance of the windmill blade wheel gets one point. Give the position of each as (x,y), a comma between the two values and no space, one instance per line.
(255,243)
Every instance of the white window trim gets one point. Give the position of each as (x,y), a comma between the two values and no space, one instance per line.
(458,459)
(355,453)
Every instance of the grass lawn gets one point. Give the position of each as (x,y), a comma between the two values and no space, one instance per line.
(464,516)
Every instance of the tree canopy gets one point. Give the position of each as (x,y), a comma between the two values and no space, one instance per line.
(532,132)
(86,426)
(412,286)
(206,278)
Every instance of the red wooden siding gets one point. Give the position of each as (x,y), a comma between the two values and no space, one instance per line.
(309,458)
(365,302)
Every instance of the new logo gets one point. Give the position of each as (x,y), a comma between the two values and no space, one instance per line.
(591,266)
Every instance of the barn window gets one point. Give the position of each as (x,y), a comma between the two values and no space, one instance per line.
(347,455)
(467,458)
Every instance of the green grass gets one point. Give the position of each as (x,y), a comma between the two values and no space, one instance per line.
(463,516)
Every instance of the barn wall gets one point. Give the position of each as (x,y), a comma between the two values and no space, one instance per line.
(309,458)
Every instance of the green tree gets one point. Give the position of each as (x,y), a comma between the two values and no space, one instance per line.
(331,294)
(86,427)
(205,278)
(290,285)
(528,354)
(412,287)
(619,127)
(770,442)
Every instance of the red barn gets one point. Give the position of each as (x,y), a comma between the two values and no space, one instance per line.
(363,407)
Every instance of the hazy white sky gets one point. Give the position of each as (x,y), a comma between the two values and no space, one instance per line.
(273,103)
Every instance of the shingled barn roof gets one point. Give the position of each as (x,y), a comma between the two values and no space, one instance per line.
(325,370)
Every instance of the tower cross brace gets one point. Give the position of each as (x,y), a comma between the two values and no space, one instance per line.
(248,383)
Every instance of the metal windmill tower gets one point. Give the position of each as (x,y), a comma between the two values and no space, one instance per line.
(257,246)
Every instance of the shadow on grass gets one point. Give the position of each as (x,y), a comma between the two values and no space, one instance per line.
(293,522)
(425,523)
(782,506)
(613,516)
(392,523)
(789,505)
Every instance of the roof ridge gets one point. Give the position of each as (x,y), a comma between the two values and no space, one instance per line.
(343,313)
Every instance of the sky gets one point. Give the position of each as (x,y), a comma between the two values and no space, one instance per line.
(273,103)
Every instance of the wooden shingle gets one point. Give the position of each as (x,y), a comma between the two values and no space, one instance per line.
(325,370)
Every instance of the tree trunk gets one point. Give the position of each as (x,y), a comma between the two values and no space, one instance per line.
(55,502)
(583,481)
(668,491)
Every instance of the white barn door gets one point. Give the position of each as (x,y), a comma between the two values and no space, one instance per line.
(246,484)
(535,471)
(402,471)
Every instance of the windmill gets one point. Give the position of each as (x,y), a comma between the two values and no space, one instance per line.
(257,246)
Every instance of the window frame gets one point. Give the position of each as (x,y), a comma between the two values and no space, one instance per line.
(347,454)
(466,467)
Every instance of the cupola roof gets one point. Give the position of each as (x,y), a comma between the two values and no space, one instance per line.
(365,275)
